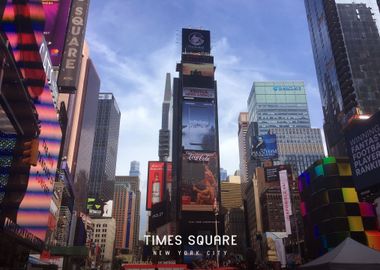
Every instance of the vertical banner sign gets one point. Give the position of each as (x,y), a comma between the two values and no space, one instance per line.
(68,78)
(286,204)
(155,191)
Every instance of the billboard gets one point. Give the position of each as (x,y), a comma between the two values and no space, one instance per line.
(95,207)
(169,180)
(205,70)
(264,147)
(272,173)
(198,81)
(155,191)
(286,203)
(363,146)
(199,185)
(196,92)
(34,213)
(56,19)
(198,126)
(68,78)
(195,41)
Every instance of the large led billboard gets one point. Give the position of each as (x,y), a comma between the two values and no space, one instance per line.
(196,92)
(199,185)
(205,70)
(56,19)
(264,147)
(198,126)
(195,41)
(363,145)
(34,212)
(155,191)
(198,81)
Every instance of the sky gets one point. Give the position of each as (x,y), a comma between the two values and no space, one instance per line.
(134,43)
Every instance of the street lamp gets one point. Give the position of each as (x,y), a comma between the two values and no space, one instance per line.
(216,212)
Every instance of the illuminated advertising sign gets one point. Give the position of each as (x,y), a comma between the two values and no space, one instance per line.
(34,212)
(264,147)
(56,19)
(363,145)
(155,191)
(205,70)
(199,185)
(195,41)
(68,78)
(286,203)
(169,180)
(195,92)
(198,126)
(272,173)
(198,81)
(95,207)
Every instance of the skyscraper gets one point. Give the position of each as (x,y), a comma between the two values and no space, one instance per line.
(104,153)
(243,127)
(345,40)
(195,138)
(281,108)
(278,104)
(135,168)
(134,185)
(124,205)
(164,146)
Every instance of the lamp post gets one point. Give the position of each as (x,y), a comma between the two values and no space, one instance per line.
(216,212)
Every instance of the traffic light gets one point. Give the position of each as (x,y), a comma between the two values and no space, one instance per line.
(30,152)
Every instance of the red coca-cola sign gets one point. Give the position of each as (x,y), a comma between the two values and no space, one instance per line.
(198,156)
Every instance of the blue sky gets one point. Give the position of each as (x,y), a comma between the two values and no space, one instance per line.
(135,42)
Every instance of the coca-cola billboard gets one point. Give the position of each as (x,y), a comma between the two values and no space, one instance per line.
(199,185)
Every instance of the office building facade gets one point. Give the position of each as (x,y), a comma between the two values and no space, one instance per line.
(124,204)
(104,153)
(134,184)
(299,147)
(345,40)
(278,104)
(104,237)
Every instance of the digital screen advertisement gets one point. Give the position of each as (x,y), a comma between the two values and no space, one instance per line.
(264,147)
(198,126)
(205,70)
(199,186)
(155,191)
(195,41)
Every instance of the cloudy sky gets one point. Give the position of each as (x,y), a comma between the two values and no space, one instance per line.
(134,43)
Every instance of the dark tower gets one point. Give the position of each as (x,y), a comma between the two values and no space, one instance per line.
(195,140)
(345,40)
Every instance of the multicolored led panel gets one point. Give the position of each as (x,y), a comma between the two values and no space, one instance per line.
(373,238)
(350,195)
(34,209)
(25,39)
(56,19)
(344,169)
(355,223)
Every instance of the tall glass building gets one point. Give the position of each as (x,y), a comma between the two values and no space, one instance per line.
(104,153)
(278,104)
(280,107)
(346,41)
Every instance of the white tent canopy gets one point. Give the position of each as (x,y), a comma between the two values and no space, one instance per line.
(349,255)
